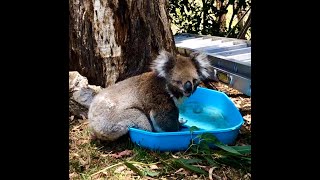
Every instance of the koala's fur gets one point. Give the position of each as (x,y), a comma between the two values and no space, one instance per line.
(148,101)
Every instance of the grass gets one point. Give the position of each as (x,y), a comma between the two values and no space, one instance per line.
(93,159)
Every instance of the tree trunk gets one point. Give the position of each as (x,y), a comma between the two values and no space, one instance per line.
(222,20)
(243,31)
(111,40)
(239,16)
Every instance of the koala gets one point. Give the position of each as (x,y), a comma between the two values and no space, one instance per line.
(149,101)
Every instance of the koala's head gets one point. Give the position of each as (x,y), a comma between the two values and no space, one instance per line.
(182,74)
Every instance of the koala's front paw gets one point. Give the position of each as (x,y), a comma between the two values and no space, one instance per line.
(93,136)
(182,121)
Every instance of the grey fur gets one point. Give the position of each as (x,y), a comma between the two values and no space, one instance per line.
(141,101)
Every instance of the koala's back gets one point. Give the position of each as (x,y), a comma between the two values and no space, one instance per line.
(115,98)
(131,99)
(140,92)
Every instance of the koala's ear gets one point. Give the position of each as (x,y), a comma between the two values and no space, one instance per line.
(163,63)
(202,64)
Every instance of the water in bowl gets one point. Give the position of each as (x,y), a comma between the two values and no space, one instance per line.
(202,116)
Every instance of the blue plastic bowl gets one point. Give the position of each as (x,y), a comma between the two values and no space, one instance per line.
(223,121)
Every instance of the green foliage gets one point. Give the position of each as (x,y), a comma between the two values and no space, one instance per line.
(207,17)
(134,169)
(236,156)
(209,151)
(186,164)
(193,128)
(205,151)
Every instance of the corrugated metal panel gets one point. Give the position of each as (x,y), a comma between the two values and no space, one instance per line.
(230,57)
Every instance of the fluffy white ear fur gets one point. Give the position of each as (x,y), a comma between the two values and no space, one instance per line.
(204,64)
(158,65)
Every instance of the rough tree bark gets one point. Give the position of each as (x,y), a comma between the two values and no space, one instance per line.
(222,6)
(243,31)
(239,16)
(110,40)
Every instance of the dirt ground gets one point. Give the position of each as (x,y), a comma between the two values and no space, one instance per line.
(95,160)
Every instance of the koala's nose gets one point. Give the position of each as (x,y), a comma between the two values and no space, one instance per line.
(187,86)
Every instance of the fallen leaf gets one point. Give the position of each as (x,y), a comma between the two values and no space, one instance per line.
(195,176)
(153,167)
(176,157)
(76,127)
(179,170)
(120,169)
(82,162)
(134,168)
(151,173)
(75,154)
(211,174)
(247,176)
(182,171)
(73,175)
(104,155)
(121,154)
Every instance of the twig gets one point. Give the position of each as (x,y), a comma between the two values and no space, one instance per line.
(76,127)
(244,30)
(188,148)
(109,167)
(211,174)
(132,162)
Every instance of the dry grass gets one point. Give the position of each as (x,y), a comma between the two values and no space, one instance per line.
(90,159)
